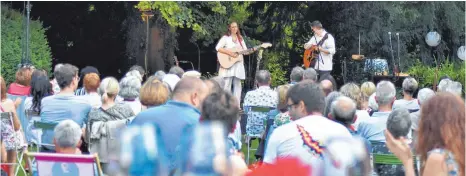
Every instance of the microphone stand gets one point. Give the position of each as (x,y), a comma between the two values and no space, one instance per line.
(393,57)
(399,60)
(249,61)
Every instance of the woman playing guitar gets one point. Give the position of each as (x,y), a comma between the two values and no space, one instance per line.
(234,74)
(325,45)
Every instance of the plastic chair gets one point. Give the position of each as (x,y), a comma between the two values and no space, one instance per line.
(43,126)
(7,118)
(257,109)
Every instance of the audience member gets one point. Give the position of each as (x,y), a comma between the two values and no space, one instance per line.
(213,85)
(352,91)
(22,84)
(454,88)
(439,145)
(343,111)
(91,83)
(283,117)
(40,88)
(55,86)
(9,131)
(367,89)
(67,137)
(409,86)
(153,93)
(332,96)
(178,113)
(171,80)
(86,70)
(64,105)
(38,73)
(223,107)
(178,71)
(303,137)
(399,123)
(219,80)
(103,121)
(310,74)
(138,68)
(372,129)
(129,91)
(327,86)
(372,103)
(263,96)
(192,73)
(422,96)
(296,75)
(160,74)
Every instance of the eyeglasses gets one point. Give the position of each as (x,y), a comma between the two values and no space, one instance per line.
(291,105)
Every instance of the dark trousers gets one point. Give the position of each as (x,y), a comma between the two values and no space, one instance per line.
(323,74)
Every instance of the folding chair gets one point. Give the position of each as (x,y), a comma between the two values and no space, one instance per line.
(7,118)
(61,164)
(42,126)
(255,109)
(385,162)
(32,116)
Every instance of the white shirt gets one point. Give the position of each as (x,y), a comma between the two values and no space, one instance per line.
(227,42)
(135,105)
(326,63)
(362,116)
(286,140)
(93,99)
(409,105)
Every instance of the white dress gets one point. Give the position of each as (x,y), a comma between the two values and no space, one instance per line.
(237,70)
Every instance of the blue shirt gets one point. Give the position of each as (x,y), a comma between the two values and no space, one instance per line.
(372,129)
(171,118)
(57,108)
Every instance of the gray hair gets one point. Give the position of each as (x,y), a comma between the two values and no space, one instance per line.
(296,74)
(263,77)
(134,73)
(67,134)
(220,81)
(129,87)
(178,71)
(65,75)
(409,85)
(454,87)
(343,110)
(425,94)
(442,85)
(57,66)
(399,122)
(310,74)
(332,96)
(385,92)
(160,74)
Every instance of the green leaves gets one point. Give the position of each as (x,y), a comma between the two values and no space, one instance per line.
(12,39)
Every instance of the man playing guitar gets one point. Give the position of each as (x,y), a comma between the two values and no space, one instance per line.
(326,45)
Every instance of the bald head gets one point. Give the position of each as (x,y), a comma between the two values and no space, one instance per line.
(190,90)
(327,86)
(343,110)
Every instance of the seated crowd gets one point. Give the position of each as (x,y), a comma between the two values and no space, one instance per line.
(177,123)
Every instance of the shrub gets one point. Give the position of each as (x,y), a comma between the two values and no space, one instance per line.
(426,74)
(12,40)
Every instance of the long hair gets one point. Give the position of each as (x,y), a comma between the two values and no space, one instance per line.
(40,88)
(238,33)
(442,126)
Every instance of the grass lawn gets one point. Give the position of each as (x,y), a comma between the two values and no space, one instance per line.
(244,149)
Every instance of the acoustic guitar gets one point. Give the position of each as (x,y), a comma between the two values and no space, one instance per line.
(310,55)
(226,61)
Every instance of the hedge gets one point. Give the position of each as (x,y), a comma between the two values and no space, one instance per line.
(11,41)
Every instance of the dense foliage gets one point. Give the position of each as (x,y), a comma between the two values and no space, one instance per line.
(287,26)
(12,40)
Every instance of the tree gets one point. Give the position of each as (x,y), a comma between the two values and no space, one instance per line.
(12,36)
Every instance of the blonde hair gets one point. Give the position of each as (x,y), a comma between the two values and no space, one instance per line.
(282,91)
(109,87)
(153,93)
(367,89)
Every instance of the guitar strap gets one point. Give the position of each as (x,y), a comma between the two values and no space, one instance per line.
(321,42)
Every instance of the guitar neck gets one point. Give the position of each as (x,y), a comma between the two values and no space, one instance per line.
(249,50)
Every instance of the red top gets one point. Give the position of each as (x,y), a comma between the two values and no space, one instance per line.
(17,89)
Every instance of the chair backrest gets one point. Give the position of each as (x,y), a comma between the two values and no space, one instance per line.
(385,162)
(65,164)
(267,111)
